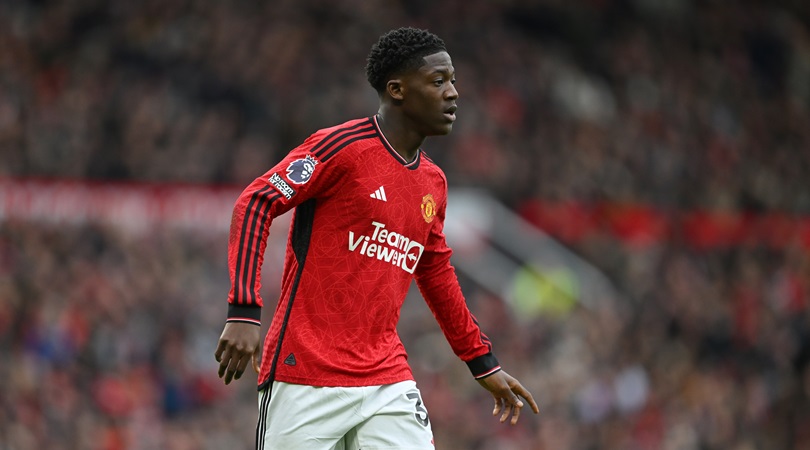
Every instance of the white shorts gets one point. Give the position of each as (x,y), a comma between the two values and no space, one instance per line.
(299,417)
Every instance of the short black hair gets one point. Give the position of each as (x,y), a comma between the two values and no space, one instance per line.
(399,51)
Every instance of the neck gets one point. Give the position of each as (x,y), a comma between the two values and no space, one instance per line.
(404,140)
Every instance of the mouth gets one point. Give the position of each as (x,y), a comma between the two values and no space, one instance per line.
(450,113)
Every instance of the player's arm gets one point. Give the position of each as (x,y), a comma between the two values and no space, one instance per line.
(436,279)
(253,212)
(297,178)
(471,344)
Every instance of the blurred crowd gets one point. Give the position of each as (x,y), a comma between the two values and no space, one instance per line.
(108,339)
(108,336)
(679,103)
(108,342)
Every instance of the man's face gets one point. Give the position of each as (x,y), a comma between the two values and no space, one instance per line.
(429,96)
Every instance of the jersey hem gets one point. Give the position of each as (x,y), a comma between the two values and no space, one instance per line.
(352,382)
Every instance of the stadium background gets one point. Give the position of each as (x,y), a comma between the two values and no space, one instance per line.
(666,142)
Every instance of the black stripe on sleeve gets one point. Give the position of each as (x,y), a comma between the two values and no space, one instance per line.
(345,143)
(257,252)
(484,339)
(262,208)
(328,140)
(237,294)
(258,207)
(327,148)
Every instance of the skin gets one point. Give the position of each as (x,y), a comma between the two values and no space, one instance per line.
(238,345)
(414,105)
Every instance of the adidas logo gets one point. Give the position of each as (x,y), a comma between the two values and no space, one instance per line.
(290,360)
(379,194)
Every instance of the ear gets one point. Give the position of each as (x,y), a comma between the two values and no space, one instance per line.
(395,89)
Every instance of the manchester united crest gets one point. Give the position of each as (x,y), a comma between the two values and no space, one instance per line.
(428,208)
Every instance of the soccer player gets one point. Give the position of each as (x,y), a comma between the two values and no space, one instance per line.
(369,212)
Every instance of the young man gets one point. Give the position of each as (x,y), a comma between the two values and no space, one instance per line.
(369,212)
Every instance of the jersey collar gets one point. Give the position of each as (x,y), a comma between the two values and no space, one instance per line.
(410,165)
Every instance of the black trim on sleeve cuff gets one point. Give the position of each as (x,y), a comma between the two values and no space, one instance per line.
(241,313)
(484,365)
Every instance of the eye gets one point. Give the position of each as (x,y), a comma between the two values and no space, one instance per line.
(438,82)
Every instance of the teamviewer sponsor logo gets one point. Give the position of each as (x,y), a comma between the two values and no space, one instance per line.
(388,246)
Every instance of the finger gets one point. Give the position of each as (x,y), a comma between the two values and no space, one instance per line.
(240,368)
(497,407)
(231,370)
(220,348)
(523,392)
(256,361)
(516,414)
(532,403)
(506,411)
(224,362)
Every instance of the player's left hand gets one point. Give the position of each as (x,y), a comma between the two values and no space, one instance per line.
(506,390)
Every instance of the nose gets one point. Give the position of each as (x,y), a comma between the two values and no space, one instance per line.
(452,92)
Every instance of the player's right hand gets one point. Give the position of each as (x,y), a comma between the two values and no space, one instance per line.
(238,345)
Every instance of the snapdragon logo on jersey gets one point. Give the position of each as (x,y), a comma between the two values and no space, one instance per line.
(282,186)
(389,246)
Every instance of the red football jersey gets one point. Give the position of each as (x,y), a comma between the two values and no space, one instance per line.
(366,222)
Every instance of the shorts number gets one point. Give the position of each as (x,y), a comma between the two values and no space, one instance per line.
(421,413)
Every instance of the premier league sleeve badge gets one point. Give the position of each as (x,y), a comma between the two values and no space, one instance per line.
(301,170)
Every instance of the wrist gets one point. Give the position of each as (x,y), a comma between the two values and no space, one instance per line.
(245,314)
(484,366)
